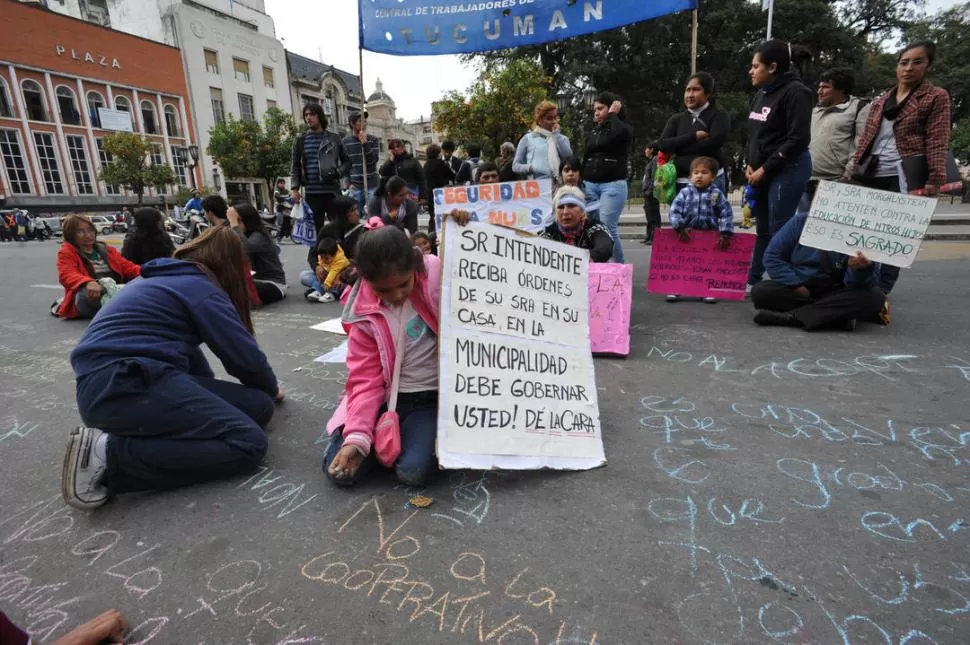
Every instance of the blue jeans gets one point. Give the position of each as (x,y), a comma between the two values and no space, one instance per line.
(418,412)
(775,204)
(309,279)
(612,198)
(170,428)
(357,193)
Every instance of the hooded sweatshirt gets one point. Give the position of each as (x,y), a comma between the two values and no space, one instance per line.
(163,317)
(779,124)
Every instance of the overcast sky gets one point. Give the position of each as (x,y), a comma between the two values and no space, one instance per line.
(327,30)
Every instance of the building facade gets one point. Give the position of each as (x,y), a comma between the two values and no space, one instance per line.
(233,62)
(382,121)
(337,91)
(55,76)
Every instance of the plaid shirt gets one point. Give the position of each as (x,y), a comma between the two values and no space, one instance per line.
(706,210)
(922,128)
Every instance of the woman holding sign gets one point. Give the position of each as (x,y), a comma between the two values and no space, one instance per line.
(906,135)
(391,317)
(575,228)
(779,130)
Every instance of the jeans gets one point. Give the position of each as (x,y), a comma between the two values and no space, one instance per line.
(309,279)
(170,428)
(418,412)
(357,192)
(775,204)
(86,308)
(612,198)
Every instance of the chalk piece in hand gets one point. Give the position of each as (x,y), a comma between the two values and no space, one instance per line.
(420,501)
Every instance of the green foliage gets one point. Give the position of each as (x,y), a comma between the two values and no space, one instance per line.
(130,166)
(960,140)
(247,148)
(950,30)
(497,107)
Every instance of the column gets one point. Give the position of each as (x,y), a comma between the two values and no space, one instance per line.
(94,159)
(67,168)
(27,140)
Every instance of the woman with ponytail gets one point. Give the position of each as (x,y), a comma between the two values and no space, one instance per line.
(779,131)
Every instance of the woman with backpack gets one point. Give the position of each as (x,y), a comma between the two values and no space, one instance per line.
(700,131)
(605,164)
(779,131)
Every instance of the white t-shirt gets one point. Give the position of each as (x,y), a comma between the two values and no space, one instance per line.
(885,147)
(419,364)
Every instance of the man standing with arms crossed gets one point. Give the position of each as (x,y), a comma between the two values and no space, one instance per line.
(319,163)
(362,149)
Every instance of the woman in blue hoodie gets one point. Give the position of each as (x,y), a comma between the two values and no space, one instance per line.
(155,416)
(779,131)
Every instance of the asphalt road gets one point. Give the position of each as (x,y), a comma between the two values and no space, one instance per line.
(763,486)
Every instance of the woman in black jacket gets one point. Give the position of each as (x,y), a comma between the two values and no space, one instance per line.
(604,166)
(779,131)
(147,239)
(264,255)
(698,132)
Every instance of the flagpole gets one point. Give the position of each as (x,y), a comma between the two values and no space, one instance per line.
(771,14)
(693,42)
(363,146)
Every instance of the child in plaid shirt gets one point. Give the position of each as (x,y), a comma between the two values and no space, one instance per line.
(701,205)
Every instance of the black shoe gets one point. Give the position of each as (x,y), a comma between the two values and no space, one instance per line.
(847,324)
(646,241)
(766,317)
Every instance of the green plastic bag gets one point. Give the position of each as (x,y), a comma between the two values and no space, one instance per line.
(665,183)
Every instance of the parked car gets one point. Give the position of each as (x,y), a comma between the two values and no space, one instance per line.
(104,225)
(55,224)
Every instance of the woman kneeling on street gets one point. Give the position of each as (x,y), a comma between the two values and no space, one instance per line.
(155,416)
(84,266)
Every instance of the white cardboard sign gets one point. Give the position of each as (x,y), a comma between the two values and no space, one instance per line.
(887,227)
(517,382)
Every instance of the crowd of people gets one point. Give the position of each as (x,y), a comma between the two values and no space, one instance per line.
(144,386)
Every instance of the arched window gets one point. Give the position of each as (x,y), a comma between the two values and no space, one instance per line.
(34,100)
(6,105)
(172,121)
(122,103)
(148,117)
(67,106)
(95,101)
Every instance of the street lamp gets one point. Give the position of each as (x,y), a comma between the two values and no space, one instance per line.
(589,97)
(563,102)
(216,179)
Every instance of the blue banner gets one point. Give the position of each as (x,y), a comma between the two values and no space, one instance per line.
(429,27)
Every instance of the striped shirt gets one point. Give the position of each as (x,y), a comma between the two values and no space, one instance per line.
(354,150)
(311,161)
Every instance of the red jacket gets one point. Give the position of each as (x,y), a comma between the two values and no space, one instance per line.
(922,128)
(74,272)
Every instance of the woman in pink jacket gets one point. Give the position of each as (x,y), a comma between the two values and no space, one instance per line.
(393,305)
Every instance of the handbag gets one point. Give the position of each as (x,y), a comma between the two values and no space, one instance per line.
(387,433)
(304,227)
(866,168)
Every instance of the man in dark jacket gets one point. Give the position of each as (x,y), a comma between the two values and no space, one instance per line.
(814,289)
(439,175)
(651,206)
(319,163)
(448,156)
(468,171)
(355,144)
(403,164)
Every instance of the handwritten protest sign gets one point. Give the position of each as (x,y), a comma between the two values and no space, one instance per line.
(698,268)
(526,204)
(610,300)
(517,384)
(887,227)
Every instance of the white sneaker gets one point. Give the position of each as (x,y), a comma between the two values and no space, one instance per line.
(710,301)
(327,297)
(313,296)
(84,466)
(672,298)
(747,290)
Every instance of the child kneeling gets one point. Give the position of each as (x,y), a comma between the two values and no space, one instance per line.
(702,206)
(391,318)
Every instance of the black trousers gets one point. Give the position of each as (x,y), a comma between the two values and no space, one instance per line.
(321,204)
(651,208)
(822,308)
(887,274)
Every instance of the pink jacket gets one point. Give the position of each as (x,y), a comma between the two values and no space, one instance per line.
(371,353)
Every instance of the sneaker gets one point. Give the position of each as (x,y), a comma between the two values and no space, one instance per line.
(747,291)
(710,301)
(673,298)
(884,316)
(846,325)
(313,296)
(84,466)
(327,297)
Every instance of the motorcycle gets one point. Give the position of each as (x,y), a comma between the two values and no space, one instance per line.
(269,224)
(197,224)
(178,233)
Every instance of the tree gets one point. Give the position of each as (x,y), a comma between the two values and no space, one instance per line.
(950,30)
(248,148)
(497,107)
(130,165)
(960,140)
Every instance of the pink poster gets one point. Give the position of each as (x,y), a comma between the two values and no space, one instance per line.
(610,300)
(698,268)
